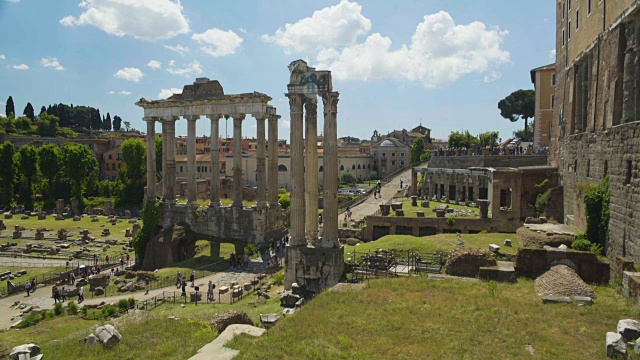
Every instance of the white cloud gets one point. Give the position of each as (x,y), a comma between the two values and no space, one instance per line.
(165,93)
(552,55)
(2,57)
(154,64)
(286,124)
(124,92)
(142,19)
(21,67)
(178,48)
(223,42)
(440,52)
(129,74)
(492,76)
(14,1)
(243,30)
(188,70)
(172,63)
(338,25)
(111,92)
(51,62)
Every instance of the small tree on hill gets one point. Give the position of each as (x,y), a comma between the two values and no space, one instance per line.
(8,172)
(520,104)
(417,148)
(10,108)
(29,112)
(28,165)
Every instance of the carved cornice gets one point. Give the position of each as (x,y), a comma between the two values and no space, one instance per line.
(295,102)
(192,117)
(238,117)
(215,117)
(330,102)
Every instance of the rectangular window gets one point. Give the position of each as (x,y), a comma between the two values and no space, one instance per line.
(402,154)
(577,19)
(569,29)
(553,101)
(564,10)
(563,38)
(383,154)
(569,4)
(180,168)
(393,154)
(393,162)
(589,7)
(198,169)
(553,79)
(110,156)
(402,163)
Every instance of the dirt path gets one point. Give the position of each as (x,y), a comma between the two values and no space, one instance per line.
(42,296)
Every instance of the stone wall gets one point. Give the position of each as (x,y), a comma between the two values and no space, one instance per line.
(495,161)
(533,262)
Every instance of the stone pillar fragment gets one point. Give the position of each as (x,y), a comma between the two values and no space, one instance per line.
(311,170)
(171,159)
(330,162)
(237,159)
(260,159)
(297,171)
(165,146)
(192,193)
(272,175)
(214,188)
(151,158)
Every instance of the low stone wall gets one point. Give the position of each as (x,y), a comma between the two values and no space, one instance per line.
(467,262)
(532,262)
(631,285)
(344,233)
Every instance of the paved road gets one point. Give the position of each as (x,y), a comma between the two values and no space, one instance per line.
(42,297)
(371,205)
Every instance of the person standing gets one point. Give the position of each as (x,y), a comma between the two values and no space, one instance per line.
(401,184)
(246,261)
(193,278)
(80,294)
(146,285)
(56,295)
(184,288)
(178,280)
(27,287)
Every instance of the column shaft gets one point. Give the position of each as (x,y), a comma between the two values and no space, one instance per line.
(165,146)
(192,191)
(297,171)
(215,161)
(151,158)
(272,176)
(237,159)
(261,168)
(311,171)
(330,162)
(171,159)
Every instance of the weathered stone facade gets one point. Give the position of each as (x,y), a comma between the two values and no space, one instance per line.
(595,131)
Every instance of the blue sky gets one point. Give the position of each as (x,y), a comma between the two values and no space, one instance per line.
(395,63)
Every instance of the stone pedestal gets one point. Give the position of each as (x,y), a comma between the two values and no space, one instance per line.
(59,206)
(313,268)
(484,208)
(385,209)
(107,207)
(424,203)
(414,200)
(17,234)
(74,207)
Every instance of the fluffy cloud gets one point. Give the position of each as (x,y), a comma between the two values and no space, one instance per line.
(129,74)
(440,52)
(217,42)
(172,63)
(2,57)
(552,55)
(21,67)
(124,92)
(178,48)
(165,93)
(338,25)
(111,92)
(51,62)
(190,69)
(154,64)
(143,19)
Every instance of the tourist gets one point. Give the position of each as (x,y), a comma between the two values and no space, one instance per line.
(178,280)
(349,213)
(401,184)
(63,294)
(80,294)
(106,258)
(192,278)
(146,285)
(319,219)
(210,291)
(184,288)
(121,260)
(246,261)
(232,259)
(56,295)
(33,285)
(27,287)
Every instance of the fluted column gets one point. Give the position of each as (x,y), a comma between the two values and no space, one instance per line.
(165,146)
(171,158)
(311,170)
(330,162)
(214,196)
(237,159)
(272,176)
(192,193)
(260,159)
(297,171)
(151,158)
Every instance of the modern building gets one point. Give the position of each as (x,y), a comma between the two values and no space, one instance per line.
(595,130)
(544,81)
(113,162)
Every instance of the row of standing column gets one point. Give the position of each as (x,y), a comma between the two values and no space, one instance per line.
(169,163)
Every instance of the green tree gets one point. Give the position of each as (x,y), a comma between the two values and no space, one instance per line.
(158,154)
(28,166)
(9,108)
(50,164)
(134,154)
(489,138)
(347,178)
(23,123)
(42,111)
(107,123)
(461,139)
(29,112)
(426,156)
(127,125)
(47,125)
(79,164)
(417,148)
(520,104)
(117,123)
(8,172)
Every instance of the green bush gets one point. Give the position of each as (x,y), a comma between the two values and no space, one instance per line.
(72,308)
(450,222)
(249,248)
(132,302)
(347,178)
(57,308)
(284,201)
(282,191)
(352,241)
(109,310)
(32,319)
(123,304)
(596,248)
(581,245)
(596,201)
(151,215)
(278,278)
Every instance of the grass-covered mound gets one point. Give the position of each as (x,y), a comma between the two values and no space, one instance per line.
(417,318)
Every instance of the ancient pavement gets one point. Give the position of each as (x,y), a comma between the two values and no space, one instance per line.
(371,205)
(42,296)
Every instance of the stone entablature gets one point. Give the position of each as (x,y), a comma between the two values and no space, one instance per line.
(495,161)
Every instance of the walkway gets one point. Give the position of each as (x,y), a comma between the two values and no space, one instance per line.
(42,296)
(371,205)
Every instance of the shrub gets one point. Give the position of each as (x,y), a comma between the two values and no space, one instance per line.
(596,202)
(282,191)
(450,222)
(109,310)
(352,241)
(278,278)
(33,318)
(284,201)
(123,304)
(347,178)
(132,302)
(151,215)
(581,245)
(84,310)
(596,248)
(57,308)
(249,248)
(72,308)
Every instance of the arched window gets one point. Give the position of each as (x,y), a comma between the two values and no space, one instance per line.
(353,167)
(341,167)
(321,168)
(282,168)
(368,166)
(358,166)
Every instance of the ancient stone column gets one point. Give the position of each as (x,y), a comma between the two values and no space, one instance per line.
(297,171)
(311,173)
(237,159)
(171,158)
(272,175)
(414,182)
(165,145)
(330,162)
(260,159)
(214,197)
(192,193)
(151,158)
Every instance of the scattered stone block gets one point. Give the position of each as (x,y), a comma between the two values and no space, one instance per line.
(247,286)
(76,218)
(494,248)
(91,340)
(24,217)
(8,216)
(287,312)
(127,233)
(615,345)
(98,291)
(552,299)
(289,300)
(400,212)
(26,351)
(135,229)
(220,322)
(508,243)
(420,213)
(583,300)
(629,329)
(59,217)
(108,335)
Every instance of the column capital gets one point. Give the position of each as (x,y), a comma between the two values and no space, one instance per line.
(260,116)
(215,116)
(311,105)
(192,117)
(330,102)
(150,118)
(273,117)
(169,119)
(295,101)
(238,116)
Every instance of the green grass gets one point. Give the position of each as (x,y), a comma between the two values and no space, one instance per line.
(436,243)
(202,258)
(33,272)
(410,211)
(418,318)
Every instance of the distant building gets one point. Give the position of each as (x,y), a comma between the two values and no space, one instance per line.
(389,155)
(113,162)
(544,81)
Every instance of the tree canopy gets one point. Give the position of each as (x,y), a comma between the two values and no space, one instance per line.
(28,166)
(417,149)
(461,139)
(520,104)
(80,163)
(8,172)
(29,112)
(50,164)
(488,138)
(134,154)
(10,108)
